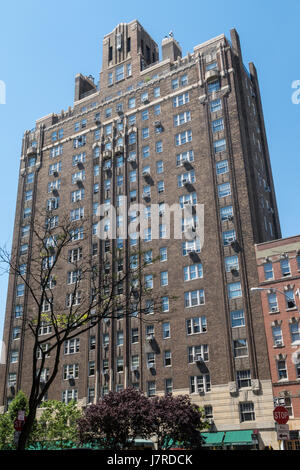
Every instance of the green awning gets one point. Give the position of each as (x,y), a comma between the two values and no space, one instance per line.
(238,438)
(212,439)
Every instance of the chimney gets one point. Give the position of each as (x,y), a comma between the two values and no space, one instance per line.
(171,49)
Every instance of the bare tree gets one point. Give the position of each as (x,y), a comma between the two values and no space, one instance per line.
(94,291)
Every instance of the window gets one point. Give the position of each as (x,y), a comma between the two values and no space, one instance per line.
(186,178)
(191,246)
(145,115)
(194,298)
(234,290)
(157,110)
(151,389)
(132,119)
(218,125)
(195,351)
(18,311)
(120,364)
(30,178)
(182,118)
(160,187)
(213,86)
(243,378)
(134,335)
(77,214)
(290,299)
(285,267)
(25,231)
(224,190)
(240,348)
(71,346)
(273,302)
(228,237)
(69,395)
(222,167)
(120,338)
(200,384)
(149,281)
(167,358)
(132,138)
(156,92)
(282,370)
(14,356)
(215,105)
(192,272)
(237,318)
(16,333)
(165,304)
(145,132)
(180,100)
(119,73)
(128,66)
(159,147)
(168,386)
(247,412)
(131,103)
(164,278)
(146,151)
(166,330)
(231,263)
(196,325)
(163,253)
(183,138)
(20,290)
(56,151)
(268,270)
(295,332)
(70,371)
(175,83)
(23,249)
(277,335)
(220,145)
(27,212)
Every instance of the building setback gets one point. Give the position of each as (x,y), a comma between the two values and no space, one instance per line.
(195,123)
(278,265)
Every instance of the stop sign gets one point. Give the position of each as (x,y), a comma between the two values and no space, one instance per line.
(281,415)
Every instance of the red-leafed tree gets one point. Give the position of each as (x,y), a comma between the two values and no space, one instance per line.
(176,420)
(120,417)
(117,420)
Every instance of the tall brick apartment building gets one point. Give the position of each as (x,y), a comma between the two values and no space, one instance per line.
(196,125)
(279,275)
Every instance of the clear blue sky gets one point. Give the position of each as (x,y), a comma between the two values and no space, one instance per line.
(44,44)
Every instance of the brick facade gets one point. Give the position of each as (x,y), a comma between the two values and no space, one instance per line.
(207,85)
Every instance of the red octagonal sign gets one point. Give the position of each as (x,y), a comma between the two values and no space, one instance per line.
(281,415)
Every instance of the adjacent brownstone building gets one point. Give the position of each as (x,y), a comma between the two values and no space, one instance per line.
(186,130)
(279,278)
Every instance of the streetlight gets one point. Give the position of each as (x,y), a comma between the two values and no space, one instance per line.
(255,289)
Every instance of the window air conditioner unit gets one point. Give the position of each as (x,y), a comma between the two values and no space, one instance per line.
(157,124)
(150,337)
(274,309)
(151,365)
(146,173)
(131,158)
(145,100)
(105,372)
(198,359)
(278,342)
(201,391)
(55,174)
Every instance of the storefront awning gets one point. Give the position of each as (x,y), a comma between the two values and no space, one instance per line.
(212,439)
(238,438)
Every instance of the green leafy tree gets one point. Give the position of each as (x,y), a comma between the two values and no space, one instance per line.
(57,425)
(6,432)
